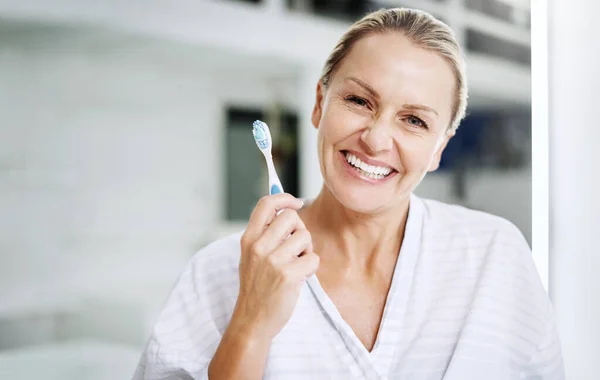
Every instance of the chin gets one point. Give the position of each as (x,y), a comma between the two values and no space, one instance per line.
(364,200)
(359,192)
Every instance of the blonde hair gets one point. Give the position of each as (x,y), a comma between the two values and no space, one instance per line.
(423,30)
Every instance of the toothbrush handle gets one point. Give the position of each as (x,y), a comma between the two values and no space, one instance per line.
(275,189)
(274,182)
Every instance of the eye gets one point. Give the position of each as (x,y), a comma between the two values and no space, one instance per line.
(357,100)
(415,121)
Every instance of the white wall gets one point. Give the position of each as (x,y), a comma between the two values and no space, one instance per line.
(110,175)
(574,62)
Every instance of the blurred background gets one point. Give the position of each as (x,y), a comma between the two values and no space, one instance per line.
(126,146)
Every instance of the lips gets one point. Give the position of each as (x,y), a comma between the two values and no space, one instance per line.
(375,170)
(367,160)
(372,174)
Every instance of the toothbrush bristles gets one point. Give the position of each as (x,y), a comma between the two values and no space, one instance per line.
(260,131)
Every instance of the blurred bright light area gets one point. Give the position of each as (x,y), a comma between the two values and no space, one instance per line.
(125,146)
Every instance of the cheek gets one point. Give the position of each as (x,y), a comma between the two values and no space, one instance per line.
(339,122)
(416,153)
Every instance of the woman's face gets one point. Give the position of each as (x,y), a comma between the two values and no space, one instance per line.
(388,104)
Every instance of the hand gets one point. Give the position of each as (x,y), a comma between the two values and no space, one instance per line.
(276,258)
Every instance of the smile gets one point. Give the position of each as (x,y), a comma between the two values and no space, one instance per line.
(372,172)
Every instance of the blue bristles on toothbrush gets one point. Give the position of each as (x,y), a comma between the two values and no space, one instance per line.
(262,137)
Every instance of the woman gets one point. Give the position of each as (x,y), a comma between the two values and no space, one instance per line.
(405,288)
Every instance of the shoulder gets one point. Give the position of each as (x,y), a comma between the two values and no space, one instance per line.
(465,217)
(203,295)
(488,248)
(209,282)
(196,312)
(212,273)
(444,221)
(487,258)
(485,245)
(220,256)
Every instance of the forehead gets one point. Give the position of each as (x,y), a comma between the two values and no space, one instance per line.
(397,68)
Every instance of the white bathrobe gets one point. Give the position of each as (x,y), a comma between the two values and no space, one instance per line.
(466,303)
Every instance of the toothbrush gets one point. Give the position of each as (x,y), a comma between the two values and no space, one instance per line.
(262,137)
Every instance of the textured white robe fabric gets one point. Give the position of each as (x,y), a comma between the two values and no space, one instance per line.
(466,302)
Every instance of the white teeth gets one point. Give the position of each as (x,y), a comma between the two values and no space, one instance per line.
(371,171)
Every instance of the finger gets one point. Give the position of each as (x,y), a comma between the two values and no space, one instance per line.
(303,267)
(299,243)
(280,229)
(265,210)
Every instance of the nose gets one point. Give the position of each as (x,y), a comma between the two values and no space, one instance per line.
(378,136)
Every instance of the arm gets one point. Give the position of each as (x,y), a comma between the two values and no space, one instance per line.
(240,355)
(276,258)
(192,338)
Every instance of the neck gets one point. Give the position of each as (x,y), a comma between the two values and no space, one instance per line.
(355,239)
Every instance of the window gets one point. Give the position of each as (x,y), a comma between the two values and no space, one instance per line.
(248,1)
(490,139)
(501,10)
(483,43)
(346,10)
(246,172)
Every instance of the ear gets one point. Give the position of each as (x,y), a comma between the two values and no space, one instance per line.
(435,162)
(318,108)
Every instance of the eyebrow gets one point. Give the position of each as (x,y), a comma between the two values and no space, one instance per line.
(364,85)
(375,94)
(421,108)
